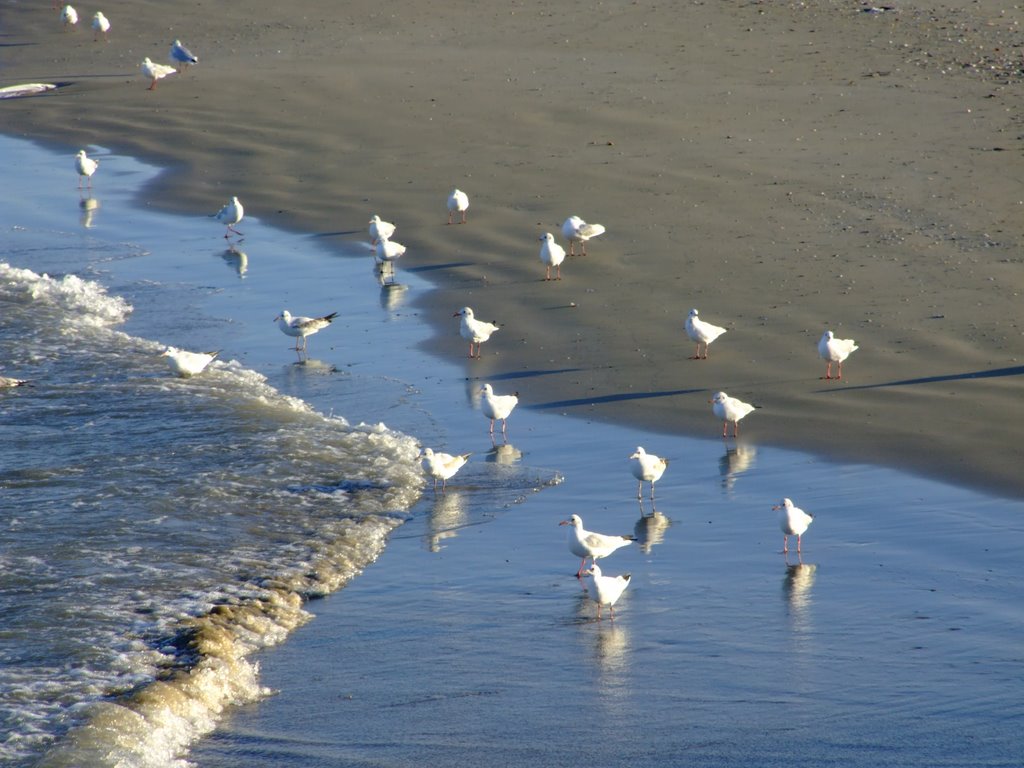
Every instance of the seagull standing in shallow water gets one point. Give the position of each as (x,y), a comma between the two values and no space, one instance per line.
(473,330)
(185,363)
(458,201)
(301,327)
(576,230)
(606,590)
(647,466)
(442,466)
(232,213)
(497,406)
(584,543)
(86,167)
(835,350)
(793,521)
(729,409)
(552,255)
(702,333)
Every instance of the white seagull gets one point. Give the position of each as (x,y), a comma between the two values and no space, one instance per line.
(576,230)
(442,466)
(606,589)
(702,333)
(457,201)
(793,521)
(100,26)
(729,409)
(552,254)
(185,363)
(835,350)
(181,55)
(301,327)
(86,167)
(388,250)
(476,332)
(380,230)
(155,72)
(69,16)
(7,382)
(232,213)
(647,466)
(584,544)
(497,406)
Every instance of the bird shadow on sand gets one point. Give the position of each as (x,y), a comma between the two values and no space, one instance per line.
(525,374)
(994,373)
(339,233)
(614,398)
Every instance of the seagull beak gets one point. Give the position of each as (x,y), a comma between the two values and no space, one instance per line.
(565,522)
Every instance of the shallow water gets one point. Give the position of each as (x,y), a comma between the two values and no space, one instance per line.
(138,504)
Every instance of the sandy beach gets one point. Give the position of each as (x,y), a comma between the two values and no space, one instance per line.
(783,168)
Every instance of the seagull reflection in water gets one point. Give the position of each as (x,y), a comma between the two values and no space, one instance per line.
(448,514)
(735,462)
(504,453)
(650,529)
(237,259)
(88,205)
(796,588)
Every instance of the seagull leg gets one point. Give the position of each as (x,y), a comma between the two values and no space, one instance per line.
(492,426)
(725,427)
(579,573)
(463,217)
(696,355)
(640,489)
(785,545)
(558,272)
(503,427)
(839,376)
(152,86)
(450,214)
(828,370)
(547,275)
(798,537)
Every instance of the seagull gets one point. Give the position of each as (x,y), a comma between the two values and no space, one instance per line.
(69,16)
(442,465)
(380,230)
(793,521)
(835,350)
(231,214)
(181,55)
(186,364)
(155,72)
(388,250)
(576,230)
(730,409)
(607,589)
(497,406)
(647,466)
(584,544)
(7,382)
(301,327)
(457,201)
(86,167)
(473,330)
(702,333)
(552,254)
(100,25)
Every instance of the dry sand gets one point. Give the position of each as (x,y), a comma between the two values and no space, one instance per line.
(783,167)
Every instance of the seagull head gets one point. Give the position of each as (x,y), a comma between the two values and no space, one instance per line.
(784,504)
(575,521)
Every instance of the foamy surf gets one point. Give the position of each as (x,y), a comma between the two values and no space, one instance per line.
(185,523)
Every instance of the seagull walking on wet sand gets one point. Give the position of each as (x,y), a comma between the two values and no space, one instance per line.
(793,521)
(86,167)
(702,333)
(834,350)
(155,72)
(552,255)
(380,229)
(187,364)
(458,202)
(301,327)
(729,409)
(476,332)
(442,466)
(68,16)
(232,213)
(497,406)
(647,466)
(100,26)
(181,55)
(576,230)
(584,543)
(606,590)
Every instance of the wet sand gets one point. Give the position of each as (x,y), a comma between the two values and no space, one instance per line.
(784,169)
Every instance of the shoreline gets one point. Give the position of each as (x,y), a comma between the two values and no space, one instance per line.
(758,195)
